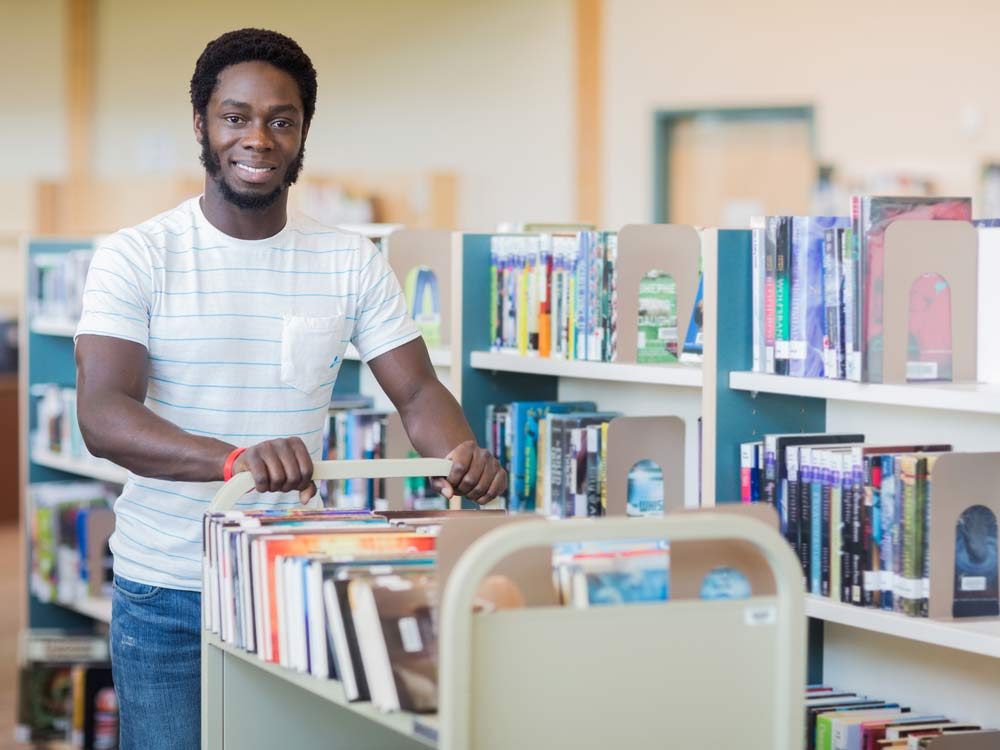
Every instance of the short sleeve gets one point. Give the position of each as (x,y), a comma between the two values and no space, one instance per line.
(382,321)
(117,297)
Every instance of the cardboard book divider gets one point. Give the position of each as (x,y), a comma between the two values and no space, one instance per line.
(690,562)
(411,248)
(634,439)
(958,481)
(529,569)
(949,249)
(672,248)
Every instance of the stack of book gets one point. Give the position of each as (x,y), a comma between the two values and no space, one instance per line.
(57,430)
(70,525)
(65,691)
(858,517)
(817,293)
(339,594)
(845,720)
(56,283)
(555,295)
(555,454)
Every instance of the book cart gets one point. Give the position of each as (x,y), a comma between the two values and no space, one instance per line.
(539,676)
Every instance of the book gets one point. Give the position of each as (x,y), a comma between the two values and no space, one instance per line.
(807,308)
(976,592)
(782,295)
(657,322)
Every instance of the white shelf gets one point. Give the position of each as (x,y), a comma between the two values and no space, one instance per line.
(95,468)
(97,607)
(978,636)
(331,690)
(688,376)
(54,326)
(976,397)
(440,356)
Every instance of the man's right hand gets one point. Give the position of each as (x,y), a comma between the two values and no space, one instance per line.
(280,465)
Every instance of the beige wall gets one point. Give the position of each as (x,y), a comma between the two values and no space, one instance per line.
(483,88)
(892,81)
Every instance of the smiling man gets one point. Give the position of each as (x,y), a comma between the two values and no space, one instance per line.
(210,340)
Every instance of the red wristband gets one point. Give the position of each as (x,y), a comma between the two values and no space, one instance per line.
(227,470)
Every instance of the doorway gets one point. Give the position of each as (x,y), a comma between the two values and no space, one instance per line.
(719,167)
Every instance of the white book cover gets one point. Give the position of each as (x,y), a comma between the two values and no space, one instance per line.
(988,356)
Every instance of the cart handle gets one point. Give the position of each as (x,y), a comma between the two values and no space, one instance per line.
(374,468)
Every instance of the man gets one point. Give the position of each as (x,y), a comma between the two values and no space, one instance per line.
(220,326)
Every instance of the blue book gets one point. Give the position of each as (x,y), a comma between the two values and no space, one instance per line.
(524,419)
(816,524)
(693,342)
(807,304)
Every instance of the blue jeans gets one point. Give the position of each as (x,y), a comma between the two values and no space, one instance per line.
(156,664)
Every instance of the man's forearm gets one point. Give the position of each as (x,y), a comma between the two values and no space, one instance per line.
(434,421)
(122,430)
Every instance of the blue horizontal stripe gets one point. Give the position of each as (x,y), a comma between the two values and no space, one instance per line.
(218,315)
(144,566)
(170,492)
(411,334)
(117,315)
(157,529)
(262,293)
(130,500)
(117,296)
(130,282)
(264,270)
(380,323)
(118,530)
(374,285)
(184,251)
(238,387)
(380,304)
(377,253)
(194,362)
(265,435)
(241,411)
(214,338)
(128,260)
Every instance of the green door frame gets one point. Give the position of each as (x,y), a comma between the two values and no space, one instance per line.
(663,126)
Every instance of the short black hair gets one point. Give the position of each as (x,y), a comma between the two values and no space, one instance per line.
(253,45)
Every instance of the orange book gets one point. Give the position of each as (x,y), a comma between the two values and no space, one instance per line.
(332,543)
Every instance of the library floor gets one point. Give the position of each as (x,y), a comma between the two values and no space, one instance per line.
(10,622)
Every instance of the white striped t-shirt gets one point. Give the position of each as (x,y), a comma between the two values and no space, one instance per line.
(245,340)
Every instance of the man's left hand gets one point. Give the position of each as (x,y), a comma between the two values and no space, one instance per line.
(475,474)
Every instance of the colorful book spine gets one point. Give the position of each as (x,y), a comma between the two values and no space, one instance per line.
(757,229)
(782,297)
(770,290)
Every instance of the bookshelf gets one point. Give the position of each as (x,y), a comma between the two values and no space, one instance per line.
(94,468)
(948,666)
(47,357)
(685,376)
(976,636)
(983,398)
(488,377)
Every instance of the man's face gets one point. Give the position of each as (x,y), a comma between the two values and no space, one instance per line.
(253,135)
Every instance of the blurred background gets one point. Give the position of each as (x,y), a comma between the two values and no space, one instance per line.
(476,114)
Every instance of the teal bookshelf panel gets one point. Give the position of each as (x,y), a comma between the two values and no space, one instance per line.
(741,416)
(482,387)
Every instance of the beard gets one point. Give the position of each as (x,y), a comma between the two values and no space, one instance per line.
(247,201)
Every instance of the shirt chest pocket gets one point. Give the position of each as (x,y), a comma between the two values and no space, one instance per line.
(311,350)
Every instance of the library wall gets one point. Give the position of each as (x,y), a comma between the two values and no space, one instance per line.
(896,84)
(481,88)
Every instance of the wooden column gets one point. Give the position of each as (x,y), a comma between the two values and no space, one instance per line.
(588,109)
(80,62)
